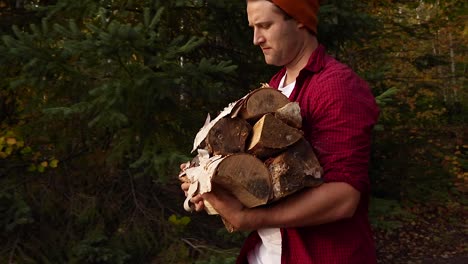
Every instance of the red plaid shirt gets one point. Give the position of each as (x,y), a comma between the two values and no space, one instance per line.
(339,112)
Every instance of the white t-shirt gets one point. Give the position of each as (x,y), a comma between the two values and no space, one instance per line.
(269,250)
(286,90)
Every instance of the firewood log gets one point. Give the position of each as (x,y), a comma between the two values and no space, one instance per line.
(243,175)
(228,136)
(246,177)
(290,114)
(270,136)
(297,167)
(258,103)
(255,150)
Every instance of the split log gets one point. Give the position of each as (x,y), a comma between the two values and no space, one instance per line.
(228,136)
(243,175)
(246,177)
(203,132)
(290,114)
(294,169)
(270,136)
(258,103)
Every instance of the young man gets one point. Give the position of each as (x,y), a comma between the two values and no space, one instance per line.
(327,224)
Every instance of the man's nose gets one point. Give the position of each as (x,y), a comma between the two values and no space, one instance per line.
(258,38)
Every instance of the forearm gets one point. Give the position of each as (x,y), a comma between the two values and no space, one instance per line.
(327,203)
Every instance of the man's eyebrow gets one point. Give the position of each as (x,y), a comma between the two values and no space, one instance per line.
(259,23)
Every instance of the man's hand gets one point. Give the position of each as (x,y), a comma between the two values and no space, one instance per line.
(229,207)
(197,200)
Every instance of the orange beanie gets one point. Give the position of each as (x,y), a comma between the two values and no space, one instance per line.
(304,11)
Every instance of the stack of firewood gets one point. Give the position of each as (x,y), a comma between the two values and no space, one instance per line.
(254,149)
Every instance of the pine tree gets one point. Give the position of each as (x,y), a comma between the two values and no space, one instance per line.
(113,91)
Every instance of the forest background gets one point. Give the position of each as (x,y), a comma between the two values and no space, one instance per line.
(100,102)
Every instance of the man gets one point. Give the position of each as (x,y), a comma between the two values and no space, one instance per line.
(329,223)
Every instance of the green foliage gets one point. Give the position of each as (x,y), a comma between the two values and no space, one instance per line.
(127,80)
(233,238)
(96,250)
(14,213)
(387,214)
(386,97)
(417,90)
(116,92)
(179,223)
(350,19)
(218,260)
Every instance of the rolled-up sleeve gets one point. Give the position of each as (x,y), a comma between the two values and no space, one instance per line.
(341,114)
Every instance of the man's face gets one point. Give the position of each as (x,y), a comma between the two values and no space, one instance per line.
(278,38)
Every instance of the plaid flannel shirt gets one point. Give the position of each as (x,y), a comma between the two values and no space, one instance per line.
(339,112)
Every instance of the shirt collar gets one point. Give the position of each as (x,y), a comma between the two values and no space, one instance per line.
(316,60)
(315,64)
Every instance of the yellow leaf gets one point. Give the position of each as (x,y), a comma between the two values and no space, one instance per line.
(54,163)
(44,164)
(173,219)
(11,141)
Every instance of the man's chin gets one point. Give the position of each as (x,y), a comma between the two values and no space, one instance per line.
(271,61)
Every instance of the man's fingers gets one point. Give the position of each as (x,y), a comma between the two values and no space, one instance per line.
(184,166)
(218,194)
(197,198)
(199,206)
(197,201)
(185,186)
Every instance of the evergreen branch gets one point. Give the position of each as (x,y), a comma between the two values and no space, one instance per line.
(119,59)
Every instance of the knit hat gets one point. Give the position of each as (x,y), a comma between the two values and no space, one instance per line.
(304,11)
